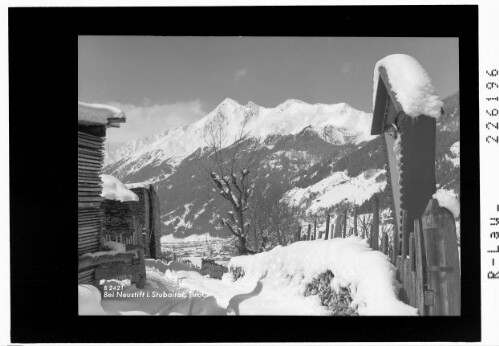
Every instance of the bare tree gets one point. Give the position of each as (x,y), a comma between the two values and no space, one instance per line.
(234,175)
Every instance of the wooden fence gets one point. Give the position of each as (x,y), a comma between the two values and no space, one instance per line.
(428,266)
(426,258)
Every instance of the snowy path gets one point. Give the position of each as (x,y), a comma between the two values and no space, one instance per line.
(247,299)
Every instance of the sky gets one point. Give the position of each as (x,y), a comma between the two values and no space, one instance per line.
(164,82)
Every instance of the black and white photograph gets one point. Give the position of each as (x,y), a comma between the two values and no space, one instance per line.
(251,173)
(241,175)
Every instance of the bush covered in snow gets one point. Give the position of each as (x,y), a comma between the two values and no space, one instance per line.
(367,274)
(236,272)
(338,300)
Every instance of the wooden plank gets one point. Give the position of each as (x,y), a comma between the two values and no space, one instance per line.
(86,273)
(88,144)
(337,226)
(88,182)
(88,235)
(375,230)
(327,225)
(116,120)
(412,254)
(87,241)
(90,137)
(88,249)
(95,140)
(345,218)
(85,168)
(442,260)
(90,221)
(89,204)
(420,262)
(384,243)
(89,161)
(89,217)
(88,194)
(90,199)
(96,189)
(90,153)
(87,229)
(156,220)
(355,233)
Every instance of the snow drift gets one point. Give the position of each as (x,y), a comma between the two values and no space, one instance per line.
(89,301)
(368,274)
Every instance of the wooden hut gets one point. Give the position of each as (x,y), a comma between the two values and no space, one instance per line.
(135,222)
(97,260)
(93,120)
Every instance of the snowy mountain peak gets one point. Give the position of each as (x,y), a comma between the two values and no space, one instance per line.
(228,102)
(343,124)
(290,103)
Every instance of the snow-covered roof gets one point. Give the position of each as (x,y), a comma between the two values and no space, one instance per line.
(411,85)
(114,189)
(99,114)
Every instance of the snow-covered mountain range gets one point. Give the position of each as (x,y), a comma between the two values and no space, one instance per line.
(307,152)
(338,124)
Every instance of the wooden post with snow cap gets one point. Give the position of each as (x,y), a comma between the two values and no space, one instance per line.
(355,233)
(345,223)
(298,234)
(405,112)
(315,228)
(338,225)
(384,243)
(327,225)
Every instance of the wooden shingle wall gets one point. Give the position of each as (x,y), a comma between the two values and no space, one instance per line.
(90,215)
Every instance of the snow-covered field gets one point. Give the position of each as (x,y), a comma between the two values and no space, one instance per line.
(273,284)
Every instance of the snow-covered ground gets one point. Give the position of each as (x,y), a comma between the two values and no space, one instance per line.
(274,284)
(336,188)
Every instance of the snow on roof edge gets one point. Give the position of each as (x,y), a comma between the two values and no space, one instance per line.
(113,189)
(94,113)
(411,84)
(138,185)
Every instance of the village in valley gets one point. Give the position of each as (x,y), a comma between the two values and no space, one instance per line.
(295,209)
